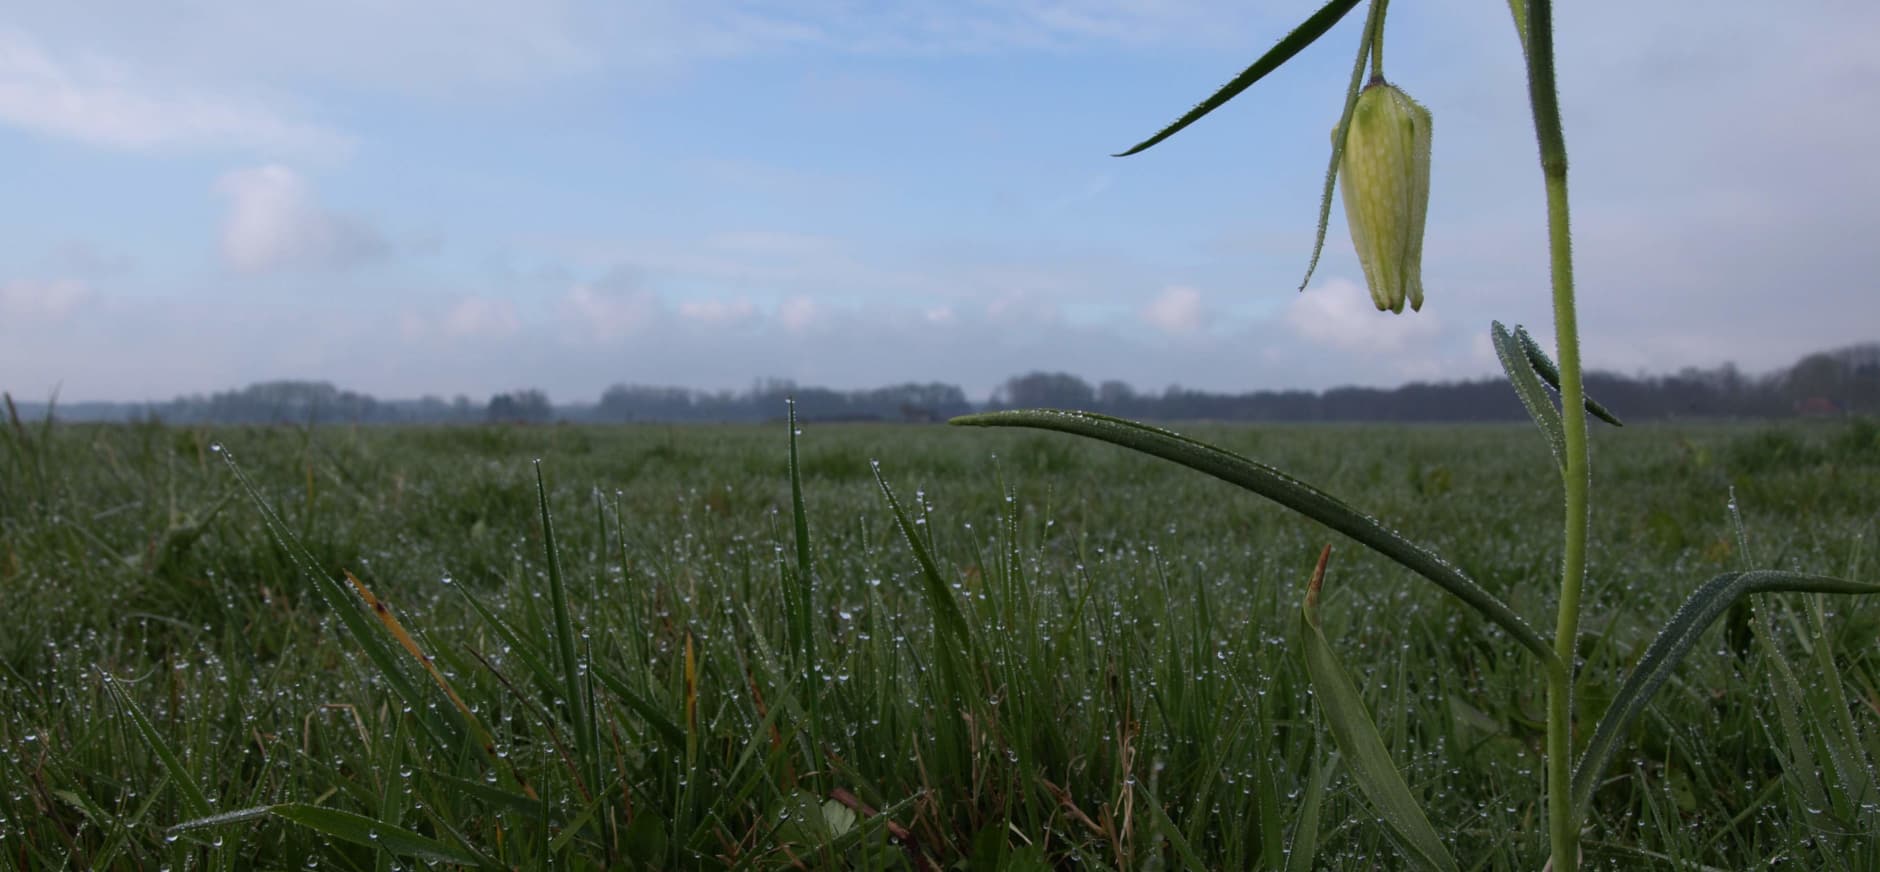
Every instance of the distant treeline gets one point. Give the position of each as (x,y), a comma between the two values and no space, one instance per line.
(1845,381)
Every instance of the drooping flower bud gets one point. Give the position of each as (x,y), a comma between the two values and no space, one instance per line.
(1384,181)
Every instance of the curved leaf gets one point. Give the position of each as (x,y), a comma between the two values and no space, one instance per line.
(1280,488)
(1305,34)
(361,830)
(1527,385)
(1544,366)
(1358,741)
(946,612)
(193,798)
(1699,611)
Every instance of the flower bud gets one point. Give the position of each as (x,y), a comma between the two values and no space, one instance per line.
(1384,181)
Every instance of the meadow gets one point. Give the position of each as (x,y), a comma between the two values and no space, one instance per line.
(1084,659)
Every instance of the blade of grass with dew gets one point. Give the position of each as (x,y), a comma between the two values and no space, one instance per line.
(1853,771)
(1549,373)
(1305,842)
(586,750)
(1679,636)
(1280,488)
(1168,829)
(1527,385)
(193,799)
(361,830)
(397,629)
(371,637)
(800,597)
(1304,35)
(1358,741)
(946,612)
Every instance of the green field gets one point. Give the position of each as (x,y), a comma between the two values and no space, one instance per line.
(1126,691)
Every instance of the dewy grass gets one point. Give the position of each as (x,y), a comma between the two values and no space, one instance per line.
(1137,699)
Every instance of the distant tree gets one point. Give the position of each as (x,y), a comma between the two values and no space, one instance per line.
(528,406)
(1059,390)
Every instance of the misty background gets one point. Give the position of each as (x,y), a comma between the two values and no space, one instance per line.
(473,197)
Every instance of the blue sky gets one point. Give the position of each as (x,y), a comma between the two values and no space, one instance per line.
(466,196)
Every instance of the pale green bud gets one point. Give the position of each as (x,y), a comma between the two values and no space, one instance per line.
(1384,180)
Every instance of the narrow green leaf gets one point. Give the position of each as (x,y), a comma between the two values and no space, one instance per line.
(1280,488)
(1359,743)
(361,830)
(1679,636)
(215,820)
(946,612)
(667,728)
(1371,24)
(1305,842)
(1527,385)
(193,799)
(1305,34)
(373,638)
(1169,830)
(1544,366)
(558,603)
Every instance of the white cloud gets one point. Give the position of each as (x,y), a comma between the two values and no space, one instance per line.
(1177,309)
(30,300)
(1339,314)
(796,314)
(481,317)
(717,312)
(109,104)
(274,222)
(610,309)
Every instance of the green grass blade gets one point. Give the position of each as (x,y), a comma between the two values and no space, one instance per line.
(1305,841)
(558,603)
(373,637)
(574,702)
(1338,140)
(1544,366)
(1169,830)
(1527,385)
(1679,636)
(193,799)
(215,820)
(946,611)
(1280,488)
(1359,743)
(1304,35)
(361,830)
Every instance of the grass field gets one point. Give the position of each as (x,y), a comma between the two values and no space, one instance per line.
(1122,687)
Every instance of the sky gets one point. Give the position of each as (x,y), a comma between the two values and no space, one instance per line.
(468,196)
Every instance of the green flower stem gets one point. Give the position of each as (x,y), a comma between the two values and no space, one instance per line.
(1563,828)
(1377,39)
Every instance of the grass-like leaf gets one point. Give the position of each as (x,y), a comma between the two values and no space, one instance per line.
(1550,373)
(1359,743)
(1679,636)
(1280,488)
(361,830)
(373,638)
(946,612)
(1305,840)
(1527,384)
(1304,35)
(193,799)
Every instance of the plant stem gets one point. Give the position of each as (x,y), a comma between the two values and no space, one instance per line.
(1377,38)
(1563,829)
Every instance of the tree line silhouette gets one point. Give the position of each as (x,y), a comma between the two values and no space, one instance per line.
(1840,382)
